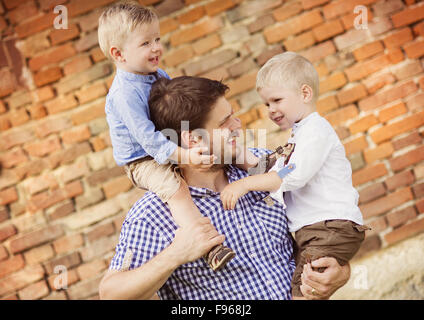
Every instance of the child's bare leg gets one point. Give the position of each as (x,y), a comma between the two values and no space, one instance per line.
(186,212)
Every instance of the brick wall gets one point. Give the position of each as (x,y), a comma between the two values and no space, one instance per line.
(63,199)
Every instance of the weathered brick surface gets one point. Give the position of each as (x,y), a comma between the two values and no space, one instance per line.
(62,197)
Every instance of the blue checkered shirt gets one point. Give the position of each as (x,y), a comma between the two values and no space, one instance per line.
(258,233)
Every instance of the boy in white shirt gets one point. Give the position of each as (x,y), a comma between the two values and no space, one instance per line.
(311,171)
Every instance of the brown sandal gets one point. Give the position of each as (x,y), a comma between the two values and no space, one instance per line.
(219,256)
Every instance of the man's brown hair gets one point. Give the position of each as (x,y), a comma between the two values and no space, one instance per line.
(183,99)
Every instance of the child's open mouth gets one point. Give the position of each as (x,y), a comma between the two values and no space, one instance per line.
(278,119)
(154,60)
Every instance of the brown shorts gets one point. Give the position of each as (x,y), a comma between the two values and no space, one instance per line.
(339,239)
(146,173)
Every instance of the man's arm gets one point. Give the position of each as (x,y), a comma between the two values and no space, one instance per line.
(189,244)
(325,283)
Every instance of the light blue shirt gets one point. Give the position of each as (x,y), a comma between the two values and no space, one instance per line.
(133,134)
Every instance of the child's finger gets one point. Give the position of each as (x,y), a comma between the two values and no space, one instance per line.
(233,202)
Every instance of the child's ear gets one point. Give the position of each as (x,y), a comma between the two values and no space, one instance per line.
(189,139)
(116,54)
(307,93)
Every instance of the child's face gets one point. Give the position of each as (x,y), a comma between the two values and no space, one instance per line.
(285,105)
(142,49)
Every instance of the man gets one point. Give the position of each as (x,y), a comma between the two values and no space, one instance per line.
(154,255)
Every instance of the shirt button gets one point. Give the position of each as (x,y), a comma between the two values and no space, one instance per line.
(253,255)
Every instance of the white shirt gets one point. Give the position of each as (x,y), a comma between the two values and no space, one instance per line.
(320,188)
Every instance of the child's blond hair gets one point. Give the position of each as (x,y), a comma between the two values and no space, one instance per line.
(118,21)
(288,69)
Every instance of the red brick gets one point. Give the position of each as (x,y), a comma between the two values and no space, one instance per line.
(7,232)
(4,215)
(43,147)
(382,151)
(398,38)
(401,179)
(368,50)
(52,56)
(98,143)
(407,70)
(372,192)
(420,206)
(407,159)
(34,291)
(328,30)
(242,84)
(61,103)
(13,158)
(391,130)
(52,125)
(392,112)
(56,282)
(334,81)
(293,26)
(168,25)
(399,91)
(10,4)
(300,42)
(355,145)
(43,94)
(33,26)
(3,255)
(178,56)
(76,135)
(68,243)
(78,7)
(37,112)
(73,189)
(39,254)
(26,10)
(217,6)
(387,203)
(365,68)
(287,10)
(18,117)
(408,16)
(363,124)
(91,112)
(62,211)
(405,231)
(91,269)
(78,64)
(413,138)
(419,29)
(8,195)
(395,55)
(414,49)
(47,76)
(348,20)
(375,82)
(416,102)
(308,4)
(337,8)
(268,53)
(11,265)
(400,217)
(116,186)
(326,104)
(377,225)
(58,36)
(101,231)
(260,23)
(7,83)
(91,92)
(352,94)
(197,31)
(35,238)
(192,15)
(206,44)
(97,55)
(341,115)
(368,174)
(75,170)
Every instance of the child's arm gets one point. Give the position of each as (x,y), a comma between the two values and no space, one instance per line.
(248,160)
(270,181)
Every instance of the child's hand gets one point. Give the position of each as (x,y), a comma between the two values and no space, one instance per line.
(196,159)
(232,193)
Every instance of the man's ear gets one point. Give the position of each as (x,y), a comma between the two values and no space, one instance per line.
(307,93)
(116,54)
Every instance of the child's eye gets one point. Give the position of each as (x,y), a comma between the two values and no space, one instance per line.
(157,39)
(267,104)
(145,43)
(277,100)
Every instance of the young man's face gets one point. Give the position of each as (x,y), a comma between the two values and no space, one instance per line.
(223,129)
(285,105)
(142,49)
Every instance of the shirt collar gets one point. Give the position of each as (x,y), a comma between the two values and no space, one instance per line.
(149,78)
(299,124)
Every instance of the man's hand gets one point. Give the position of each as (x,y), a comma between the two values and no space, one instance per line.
(326,283)
(192,242)
(231,193)
(195,158)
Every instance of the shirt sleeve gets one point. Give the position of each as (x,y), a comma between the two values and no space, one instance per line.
(134,113)
(309,155)
(138,243)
